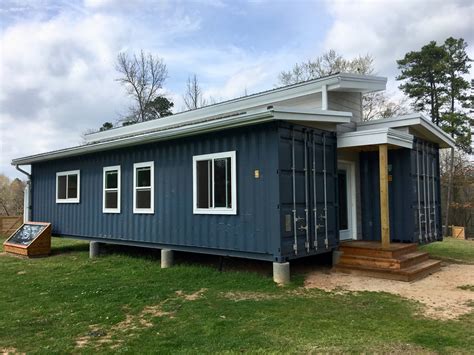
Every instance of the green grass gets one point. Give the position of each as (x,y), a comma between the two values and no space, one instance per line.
(47,304)
(452,250)
(467,287)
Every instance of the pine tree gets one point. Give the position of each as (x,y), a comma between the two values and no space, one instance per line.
(433,78)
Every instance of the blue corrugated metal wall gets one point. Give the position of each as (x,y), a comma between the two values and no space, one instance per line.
(254,232)
(324,143)
(403,194)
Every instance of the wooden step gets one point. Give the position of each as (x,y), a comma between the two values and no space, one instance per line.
(410,273)
(372,249)
(403,261)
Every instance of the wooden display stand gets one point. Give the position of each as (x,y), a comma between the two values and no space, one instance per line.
(38,245)
(458,232)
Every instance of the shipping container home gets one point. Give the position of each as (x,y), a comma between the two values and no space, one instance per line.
(278,175)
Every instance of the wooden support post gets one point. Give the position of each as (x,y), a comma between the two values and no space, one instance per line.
(384,214)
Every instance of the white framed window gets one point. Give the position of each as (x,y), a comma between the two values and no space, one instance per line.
(215,183)
(111,189)
(143,187)
(68,186)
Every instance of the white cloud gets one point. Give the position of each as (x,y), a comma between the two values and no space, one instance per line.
(389,29)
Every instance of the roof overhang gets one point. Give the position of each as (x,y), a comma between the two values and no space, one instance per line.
(204,126)
(372,137)
(416,124)
(336,82)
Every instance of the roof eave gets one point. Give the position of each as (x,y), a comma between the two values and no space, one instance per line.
(376,136)
(414,121)
(275,113)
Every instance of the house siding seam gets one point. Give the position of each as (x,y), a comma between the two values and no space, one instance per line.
(253,231)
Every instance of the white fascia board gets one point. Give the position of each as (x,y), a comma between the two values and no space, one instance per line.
(414,120)
(183,131)
(310,115)
(360,83)
(257,116)
(375,137)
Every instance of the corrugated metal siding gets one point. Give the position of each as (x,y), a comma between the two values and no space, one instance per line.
(403,194)
(286,190)
(255,228)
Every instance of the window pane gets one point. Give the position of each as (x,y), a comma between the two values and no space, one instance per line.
(143,199)
(62,187)
(203,183)
(343,216)
(72,186)
(143,177)
(221,180)
(111,199)
(111,179)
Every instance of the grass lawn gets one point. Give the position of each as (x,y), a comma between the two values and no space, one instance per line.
(126,303)
(453,250)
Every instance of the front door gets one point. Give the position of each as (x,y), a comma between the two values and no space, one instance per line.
(346,188)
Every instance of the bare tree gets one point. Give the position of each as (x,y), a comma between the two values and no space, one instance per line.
(193,97)
(143,77)
(11,196)
(379,105)
(374,105)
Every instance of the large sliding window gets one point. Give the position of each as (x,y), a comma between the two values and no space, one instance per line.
(68,186)
(143,181)
(111,195)
(214,183)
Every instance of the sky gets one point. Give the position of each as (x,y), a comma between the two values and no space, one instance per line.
(57,76)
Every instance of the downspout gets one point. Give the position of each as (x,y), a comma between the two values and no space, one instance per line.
(27,195)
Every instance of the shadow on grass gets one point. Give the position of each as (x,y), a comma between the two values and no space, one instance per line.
(299,267)
(60,245)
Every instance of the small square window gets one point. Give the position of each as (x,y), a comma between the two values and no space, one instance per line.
(67,186)
(214,181)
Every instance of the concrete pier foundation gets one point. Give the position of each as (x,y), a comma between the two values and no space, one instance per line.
(94,250)
(167,258)
(281,273)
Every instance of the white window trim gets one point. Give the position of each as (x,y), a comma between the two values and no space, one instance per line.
(118,189)
(151,210)
(233,170)
(65,173)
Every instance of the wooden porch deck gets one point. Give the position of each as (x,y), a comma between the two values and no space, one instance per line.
(397,261)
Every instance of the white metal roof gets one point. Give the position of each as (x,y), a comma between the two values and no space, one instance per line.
(337,82)
(193,128)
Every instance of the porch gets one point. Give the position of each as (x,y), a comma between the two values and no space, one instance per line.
(397,261)
(399,205)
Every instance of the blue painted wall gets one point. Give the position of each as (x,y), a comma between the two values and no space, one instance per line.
(254,230)
(403,194)
(258,229)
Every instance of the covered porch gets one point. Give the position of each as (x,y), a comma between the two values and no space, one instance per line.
(394,166)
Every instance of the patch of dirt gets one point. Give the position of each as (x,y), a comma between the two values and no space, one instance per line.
(248,296)
(8,351)
(132,323)
(439,293)
(21,272)
(193,296)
